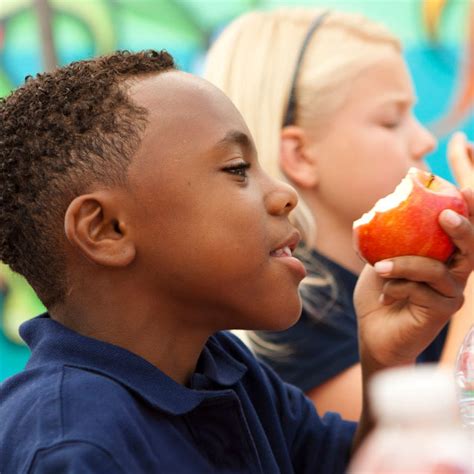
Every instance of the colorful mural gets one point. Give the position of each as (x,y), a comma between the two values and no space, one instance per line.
(438,36)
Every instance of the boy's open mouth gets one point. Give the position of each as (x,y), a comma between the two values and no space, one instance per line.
(286,248)
(283,252)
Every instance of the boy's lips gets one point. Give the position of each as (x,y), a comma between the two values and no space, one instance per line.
(284,250)
(288,245)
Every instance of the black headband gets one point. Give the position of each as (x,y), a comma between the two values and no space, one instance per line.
(291,107)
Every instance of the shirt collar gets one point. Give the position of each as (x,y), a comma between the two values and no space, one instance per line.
(52,343)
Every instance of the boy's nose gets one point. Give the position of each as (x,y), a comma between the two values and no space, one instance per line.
(281,199)
(424,142)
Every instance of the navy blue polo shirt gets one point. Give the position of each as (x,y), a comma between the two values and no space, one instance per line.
(86,406)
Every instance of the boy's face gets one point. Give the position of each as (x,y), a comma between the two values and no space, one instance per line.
(205,226)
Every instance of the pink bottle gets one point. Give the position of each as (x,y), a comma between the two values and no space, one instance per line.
(418,429)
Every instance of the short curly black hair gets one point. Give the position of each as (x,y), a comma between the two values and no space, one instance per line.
(60,132)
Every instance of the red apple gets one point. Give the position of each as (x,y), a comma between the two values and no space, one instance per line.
(406,221)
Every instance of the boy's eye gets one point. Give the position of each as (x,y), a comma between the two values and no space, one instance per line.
(239,169)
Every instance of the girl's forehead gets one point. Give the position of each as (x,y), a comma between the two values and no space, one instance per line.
(386,80)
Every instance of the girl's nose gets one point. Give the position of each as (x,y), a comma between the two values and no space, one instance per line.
(281,199)
(424,142)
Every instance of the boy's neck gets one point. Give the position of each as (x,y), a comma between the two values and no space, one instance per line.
(153,333)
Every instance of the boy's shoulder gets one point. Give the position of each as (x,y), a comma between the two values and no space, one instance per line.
(57,406)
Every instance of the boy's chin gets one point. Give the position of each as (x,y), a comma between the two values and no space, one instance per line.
(285,324)
(281,321)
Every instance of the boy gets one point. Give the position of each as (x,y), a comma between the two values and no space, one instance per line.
(133,202)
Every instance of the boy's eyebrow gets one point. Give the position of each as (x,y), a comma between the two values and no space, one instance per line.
(235,137)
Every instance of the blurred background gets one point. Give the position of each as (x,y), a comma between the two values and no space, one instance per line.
(37,35)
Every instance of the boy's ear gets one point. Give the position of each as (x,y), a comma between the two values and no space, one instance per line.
(92,225)
(297,160)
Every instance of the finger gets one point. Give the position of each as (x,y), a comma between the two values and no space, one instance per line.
(460,159)
(367,292)
(429,303)
(460,229)
(420,269)
(457,153)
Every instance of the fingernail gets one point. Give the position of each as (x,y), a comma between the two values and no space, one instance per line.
(382,298)
(385,266)
(451,218)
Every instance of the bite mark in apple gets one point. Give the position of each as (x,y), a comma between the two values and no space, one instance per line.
(406,221)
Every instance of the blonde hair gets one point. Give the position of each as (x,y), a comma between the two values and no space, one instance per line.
(253,62)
